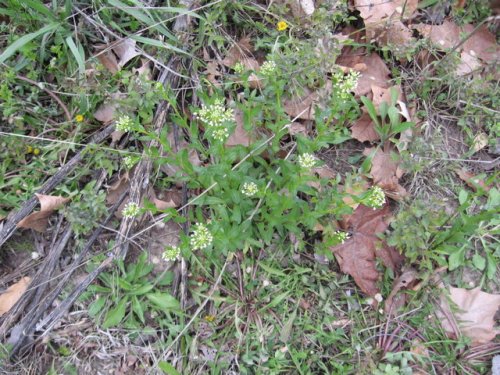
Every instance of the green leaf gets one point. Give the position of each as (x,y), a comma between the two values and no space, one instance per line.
(38,6)
(479,262)
(456,259)
(164,301)
(167,368)
(137,308)
(462,197)
(96,306)
(115,315)
(25,39)
(78,54)
(287,328)
(371,109)
(141,290)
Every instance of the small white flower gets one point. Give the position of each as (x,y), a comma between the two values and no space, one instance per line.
(201,237)
(344,85)
(268,68)
(376,198)
(171,253)
(249,189)
(340,236)
(124,124)
(35,255)
(266,283)
(131,209)
(307,161)
(378,297)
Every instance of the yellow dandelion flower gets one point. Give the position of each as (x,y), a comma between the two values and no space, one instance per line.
(29,149)
(210,318)
(36,151)
(282,26)
(79,118)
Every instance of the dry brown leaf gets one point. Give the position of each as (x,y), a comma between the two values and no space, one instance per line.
(385,172)
(40,219)
(481,44)
(238,52)
(357,255)
(164,200)
(115,190)
(106,112)
(394,33)
(472,181)
(108,59)
(373,71)
(240,136)
(364,129)
(382,94)
(302,107)
(297,128)
(9,298)
(444,36)
(374,11)
(325,172)
(396,300)
(475,314)
(126,50)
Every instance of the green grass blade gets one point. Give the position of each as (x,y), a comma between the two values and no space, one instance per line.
(158,43)
(78,53)
(22,41)
(143,18)
(38,6)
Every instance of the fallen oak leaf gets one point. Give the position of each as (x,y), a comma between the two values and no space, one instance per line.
(9,298)
(373,11)
(39,220)
(357,255)
(303,107)
(475,314)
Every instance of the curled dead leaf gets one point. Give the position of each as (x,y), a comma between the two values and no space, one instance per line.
(397,300)
(9,298)
(39,220)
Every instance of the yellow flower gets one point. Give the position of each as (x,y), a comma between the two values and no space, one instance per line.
(29,149)
(79,118)
(282,26)
(36,151)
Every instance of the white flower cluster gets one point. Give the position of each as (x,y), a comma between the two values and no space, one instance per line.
(376,198)
(268,68)
(215,116)
(129,161)
(239,67)
(340,236)
(124,124)
(307,161)
(131,209)
(345,84)
(249,189)
(171,253)
(201,238)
